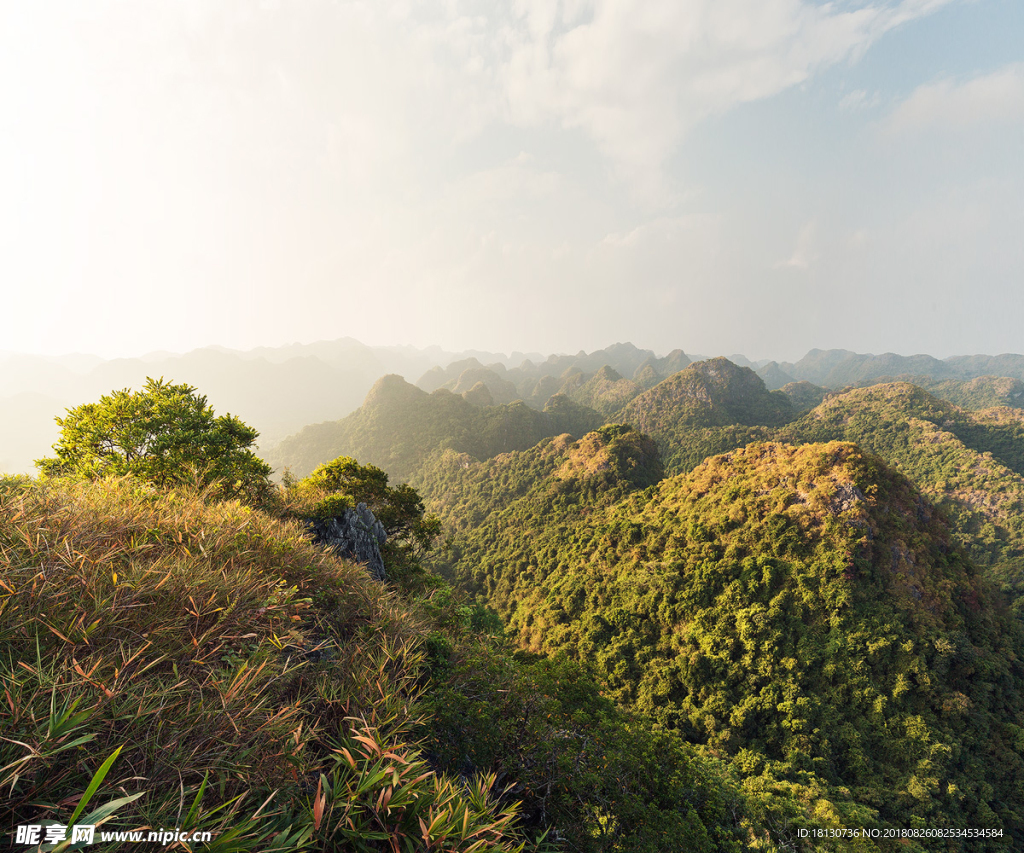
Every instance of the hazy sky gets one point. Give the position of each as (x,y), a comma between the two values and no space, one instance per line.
(756,176)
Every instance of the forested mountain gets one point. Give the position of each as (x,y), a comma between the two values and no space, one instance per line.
(971,464)
(709,407)
(803,395)
(705,408)
(774,377)
(983,392)
(400,425)
(705,394)
(804,610)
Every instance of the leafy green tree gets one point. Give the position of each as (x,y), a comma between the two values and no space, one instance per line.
(343,483)
(164,434)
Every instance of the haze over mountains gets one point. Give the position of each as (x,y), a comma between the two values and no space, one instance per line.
(280,390)
(276,389)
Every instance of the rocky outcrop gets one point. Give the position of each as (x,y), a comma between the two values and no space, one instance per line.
(355,535)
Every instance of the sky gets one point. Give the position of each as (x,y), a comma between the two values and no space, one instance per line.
(722,176)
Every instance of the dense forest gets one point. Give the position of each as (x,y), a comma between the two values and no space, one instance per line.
(632,603)
(801,609)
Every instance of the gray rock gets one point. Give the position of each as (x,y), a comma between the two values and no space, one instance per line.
(355,535)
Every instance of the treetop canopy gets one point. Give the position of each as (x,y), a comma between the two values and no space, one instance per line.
(165,433)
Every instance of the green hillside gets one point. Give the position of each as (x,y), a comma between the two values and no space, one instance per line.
(983,392)
(605,391)
(708,408)
(804,395)
(802,610)
(399,426)
(971,464)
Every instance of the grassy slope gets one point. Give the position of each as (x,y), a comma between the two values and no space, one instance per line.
(206,641)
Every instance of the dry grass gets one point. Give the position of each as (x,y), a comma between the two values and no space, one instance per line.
(212,644)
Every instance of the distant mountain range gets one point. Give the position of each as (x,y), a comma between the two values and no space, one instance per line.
(280,390)
(968,461)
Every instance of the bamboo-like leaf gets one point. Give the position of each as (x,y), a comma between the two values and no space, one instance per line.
(348,757)
(318,803)
(96,781)
(195,803)
(370,742)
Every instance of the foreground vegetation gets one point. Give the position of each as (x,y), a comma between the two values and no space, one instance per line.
(248,684)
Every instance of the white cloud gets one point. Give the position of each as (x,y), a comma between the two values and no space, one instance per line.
(638,77)
(439,155)
(517,179)
(373,93)
(996,97)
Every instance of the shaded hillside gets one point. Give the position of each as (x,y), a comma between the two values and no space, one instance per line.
(970,463)
(837,368)
(774,377)
(499,389)
(399,426)
(709,407)
(801,609)
(605,392)
(984,392)
(804,395)
(969,366)
(569,416)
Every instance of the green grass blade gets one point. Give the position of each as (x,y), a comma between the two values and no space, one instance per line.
(96,781)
